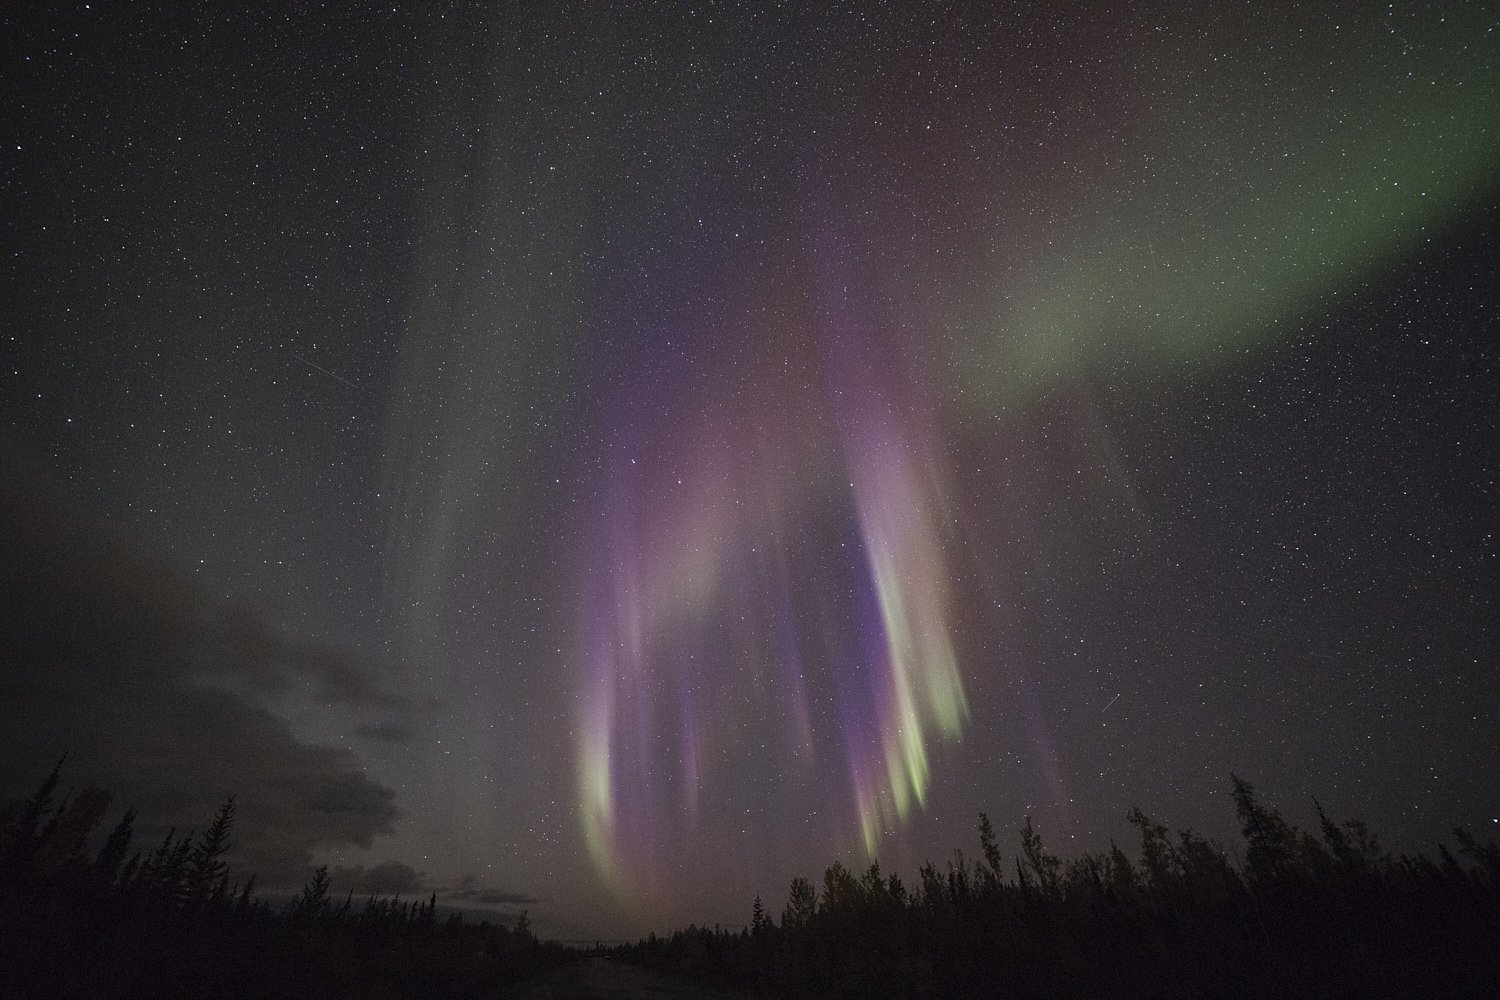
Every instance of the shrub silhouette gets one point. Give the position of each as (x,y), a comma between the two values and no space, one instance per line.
(173,922)
(1325,914)
(1304,916)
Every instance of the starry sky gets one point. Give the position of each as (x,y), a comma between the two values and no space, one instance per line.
(609,458)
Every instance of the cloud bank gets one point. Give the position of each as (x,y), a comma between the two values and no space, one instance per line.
(112,655)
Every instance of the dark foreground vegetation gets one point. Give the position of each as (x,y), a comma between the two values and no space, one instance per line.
(1326,915)
(171,921)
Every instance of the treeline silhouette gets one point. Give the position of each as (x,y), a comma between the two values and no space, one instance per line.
(1325,914)
(1305,915)
(174,921)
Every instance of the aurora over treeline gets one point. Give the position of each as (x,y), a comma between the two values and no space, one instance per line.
(609,459)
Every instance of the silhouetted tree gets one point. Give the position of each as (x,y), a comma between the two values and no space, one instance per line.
(111,856)
(757,917)
(1043,865)
(206,868)
(1487,855)
(990,848)
(1269,840)
(65,843)
(802,903)
(22,838)
(1122,877)
(840,889)
(313,902)
(242,904)
(1156,850)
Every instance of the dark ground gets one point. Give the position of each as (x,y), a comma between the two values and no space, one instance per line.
(611,979)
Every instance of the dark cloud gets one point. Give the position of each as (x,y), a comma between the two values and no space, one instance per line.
(392,878)
(495,897)
(110,654)
(469,890)
(386,879)
(268,659)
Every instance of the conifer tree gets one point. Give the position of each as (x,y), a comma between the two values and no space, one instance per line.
(22,840)
(1269,841)
(1486,854)
(1335,838)
(314,900)
(1122,876)
(802,903)
(66,842)
(107,862)
(840,889)
(242,905)
(171,877)
(1156,850)
(205,865)
(1043,864)
(991,849)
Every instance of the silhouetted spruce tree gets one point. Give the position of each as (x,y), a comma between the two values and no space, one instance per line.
(106,866)
(959,882)
(1204,868)
(146,872)
(1487,855)
(990,847)
(243,901)
(802,903)
(63,850)
(205,864)
(313,902)
(840,889)
(1336,839)
(206,868)
(1269,841)
(1044,865)
(1123,882)
(1156,850)
(129,878)
(23,839)
(897,889)
(171,877)
(1022,882)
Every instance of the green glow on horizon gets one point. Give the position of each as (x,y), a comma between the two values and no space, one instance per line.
(1208,245)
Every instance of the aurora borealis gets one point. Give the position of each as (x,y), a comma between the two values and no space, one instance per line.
(622,456)
(699,614)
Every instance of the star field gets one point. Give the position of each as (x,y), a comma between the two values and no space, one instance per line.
(621,457)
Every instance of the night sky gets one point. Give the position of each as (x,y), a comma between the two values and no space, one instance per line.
(611,458)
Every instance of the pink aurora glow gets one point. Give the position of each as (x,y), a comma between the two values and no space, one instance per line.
(778,550)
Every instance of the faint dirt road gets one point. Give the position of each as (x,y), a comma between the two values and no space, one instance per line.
(609,979)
